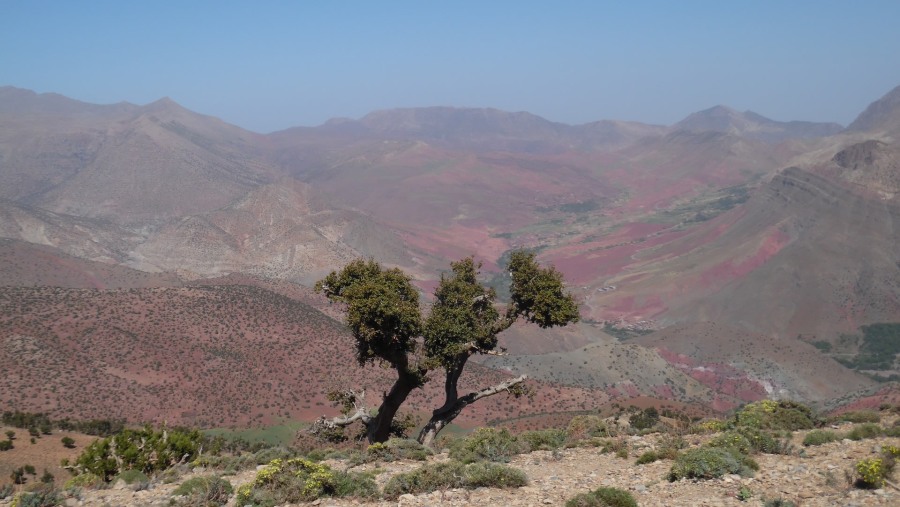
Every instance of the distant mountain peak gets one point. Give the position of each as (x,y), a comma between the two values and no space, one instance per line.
(884,114)
(753,125)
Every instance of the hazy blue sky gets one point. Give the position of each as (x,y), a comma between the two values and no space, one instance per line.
(268,65)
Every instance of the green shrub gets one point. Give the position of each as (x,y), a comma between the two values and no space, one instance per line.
(68,442)
(819,437)
(603,497)
(85,480)
(732,440)
(454,474)
(710,426)
(5,491)
(775,415)
(146,450)
(132,477)
(647,457)
(858,416)
(865,430)
(871,473)
(779,502)
(543,440)
(744,494)
(204,491)
(585,427)
(585,500)
(708,463)
(6,445)
(486,444)
(300,480)
(397,448)
(45,496)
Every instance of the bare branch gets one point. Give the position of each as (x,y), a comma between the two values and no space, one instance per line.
(499,388)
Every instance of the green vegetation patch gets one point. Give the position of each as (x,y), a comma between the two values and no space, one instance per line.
(206,491)
(145,450)
(707,463)
(453,474)
(603,497)
(299,480)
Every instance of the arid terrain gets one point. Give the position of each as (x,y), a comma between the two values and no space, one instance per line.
(156,262)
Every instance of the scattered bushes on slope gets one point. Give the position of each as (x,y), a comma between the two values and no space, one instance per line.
(819,437)
(775,415)
(709,463)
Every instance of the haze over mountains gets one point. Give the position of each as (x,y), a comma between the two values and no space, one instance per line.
(729,233)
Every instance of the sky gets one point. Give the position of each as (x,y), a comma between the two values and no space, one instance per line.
(267,65)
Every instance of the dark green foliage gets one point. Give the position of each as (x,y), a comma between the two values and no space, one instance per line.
(96,427)
(779,502)
(146,450)
(6,445)
(644,419)
(880,344)
(68,442)
(819,437)
(486,444)
(543,440)
(603,497)
(10,435)
(382,308)
(204,491)
(30,470)
(538,294)
(706,463)
(18,476)
(453,474)
(822,345)
(47,477)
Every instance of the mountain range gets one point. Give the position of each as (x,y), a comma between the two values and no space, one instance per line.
(737,240)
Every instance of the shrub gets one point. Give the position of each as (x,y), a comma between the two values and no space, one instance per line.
(584,427)
(543,440)
(858,416)
(775,415)
(603,497)
(711,426)
(146,450)
(398,448)
(744,494)
(870,473)
(68,442)
(486,444)
(5,491)
(300,480)
(243,461)
(453,474)
(647,457)
(45,496)
(132,477)
(6,445)
(819,437)
(779,502)
(204,491)
(865,430)
(732,440)
(85,480)
(707,463)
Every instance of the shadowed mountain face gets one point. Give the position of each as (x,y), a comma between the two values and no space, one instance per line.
(768,229)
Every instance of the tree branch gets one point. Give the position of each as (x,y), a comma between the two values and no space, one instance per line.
(499,388)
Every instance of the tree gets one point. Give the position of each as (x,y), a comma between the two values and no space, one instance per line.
(384,316)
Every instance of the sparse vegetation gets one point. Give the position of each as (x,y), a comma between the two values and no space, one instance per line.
(453,474)
(204,491)
(300,480)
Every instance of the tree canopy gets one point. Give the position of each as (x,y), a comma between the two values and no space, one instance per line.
(385,317)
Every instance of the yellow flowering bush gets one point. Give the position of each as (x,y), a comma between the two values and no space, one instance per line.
(870,473)
(301,480)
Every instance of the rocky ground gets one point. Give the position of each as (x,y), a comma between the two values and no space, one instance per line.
(810,476)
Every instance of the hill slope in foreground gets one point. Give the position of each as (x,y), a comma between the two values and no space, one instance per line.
(807,477)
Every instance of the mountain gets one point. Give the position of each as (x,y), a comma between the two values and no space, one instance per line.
(883,115)
(754,126)
(123,163)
